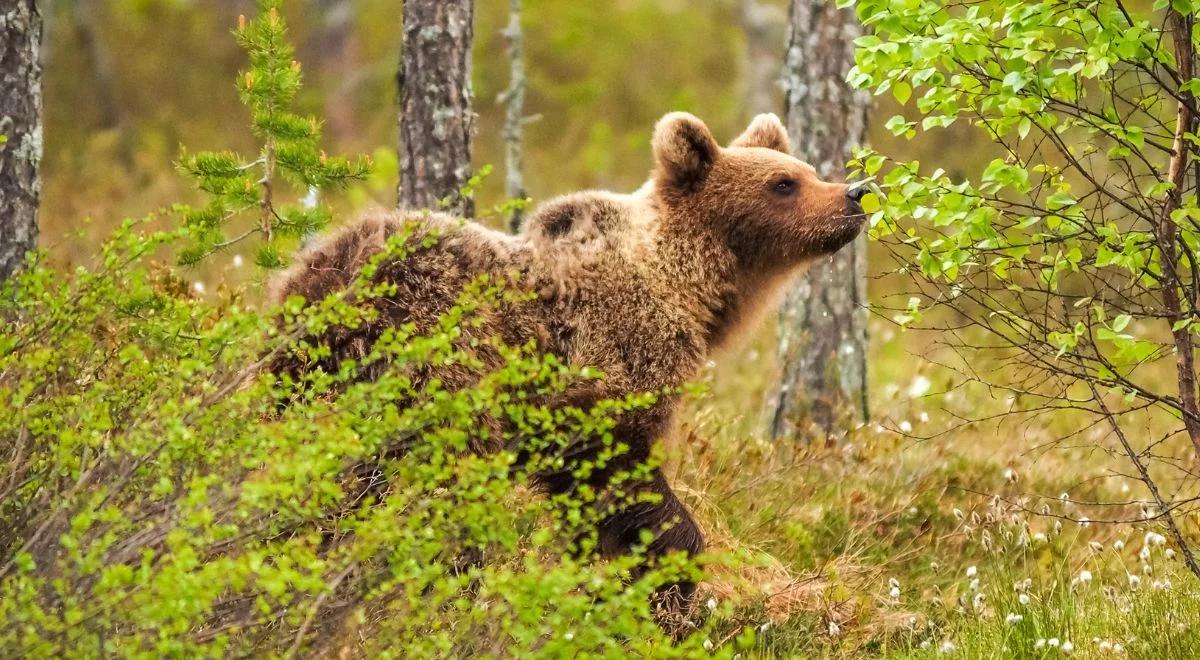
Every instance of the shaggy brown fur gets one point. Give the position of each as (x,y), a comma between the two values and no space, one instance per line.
(642,286)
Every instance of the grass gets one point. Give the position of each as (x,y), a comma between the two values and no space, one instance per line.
(962,543)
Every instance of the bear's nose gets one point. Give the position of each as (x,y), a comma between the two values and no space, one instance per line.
(856,193)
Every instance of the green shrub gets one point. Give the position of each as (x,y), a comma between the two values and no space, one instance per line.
(164,494)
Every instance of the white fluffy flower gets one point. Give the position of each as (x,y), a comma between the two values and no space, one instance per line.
(1023,599)
(834,629)
(1067,647)
(972,571)
(947,647)
(1085,577)
(1013,617)
(919,386)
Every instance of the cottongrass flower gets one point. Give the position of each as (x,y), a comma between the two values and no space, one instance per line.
(1084,521)
(958,513)
(1023,599)
(906,426)
(972,571)
(1134,580)
(1161,585)
(708,645)
(238,261)
(199,287)
(1052,642)
(834,628)
(977,602)
(712,604)
(1039,537)
(947,647)
(1095,546)
(919,387)
(1084,578)
(1040,644)
(1067,647)
(1013,618)
(1010,474)
(1154,538)
(974,584)
(1144,553)
(1118,545)
(1170,553)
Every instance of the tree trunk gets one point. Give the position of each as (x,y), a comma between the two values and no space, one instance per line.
(21,128)
(764,27)
(335,46)
(513,99)
(823,323)
(436,120)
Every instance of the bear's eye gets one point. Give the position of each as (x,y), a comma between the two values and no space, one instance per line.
(784,186)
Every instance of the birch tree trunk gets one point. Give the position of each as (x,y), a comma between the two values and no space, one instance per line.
(436,119)
(513,99)
(823,323)
(21,128)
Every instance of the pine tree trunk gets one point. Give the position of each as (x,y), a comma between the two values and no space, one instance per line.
(334,46)
(823,323)
(764,26)
(21,126)
(436,119)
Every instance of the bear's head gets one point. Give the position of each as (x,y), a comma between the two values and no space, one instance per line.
(768,208)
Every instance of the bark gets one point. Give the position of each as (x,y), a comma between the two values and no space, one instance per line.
(21,124)
(765,28)
(335,46)
(513,99)
(823,323)
(86,17)
(1167,235)
(436,119)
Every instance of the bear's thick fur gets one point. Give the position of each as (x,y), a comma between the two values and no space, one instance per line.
(642,286)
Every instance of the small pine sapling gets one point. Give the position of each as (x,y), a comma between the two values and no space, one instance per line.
(237,186)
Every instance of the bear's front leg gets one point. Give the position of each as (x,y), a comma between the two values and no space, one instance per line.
(672,527)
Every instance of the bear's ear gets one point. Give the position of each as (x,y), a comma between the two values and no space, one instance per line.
(765,131)
(684,150)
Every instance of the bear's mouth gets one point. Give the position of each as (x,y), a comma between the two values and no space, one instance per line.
(843,229)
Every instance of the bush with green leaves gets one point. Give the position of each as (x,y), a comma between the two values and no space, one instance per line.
(1070,258)
(164,494)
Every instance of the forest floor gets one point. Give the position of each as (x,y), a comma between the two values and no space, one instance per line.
(917,535)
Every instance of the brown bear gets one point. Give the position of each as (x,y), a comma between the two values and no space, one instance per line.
(642,286)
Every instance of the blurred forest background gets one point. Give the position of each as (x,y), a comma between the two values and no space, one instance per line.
(128,82)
